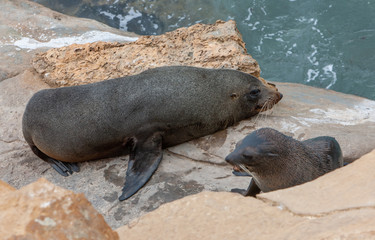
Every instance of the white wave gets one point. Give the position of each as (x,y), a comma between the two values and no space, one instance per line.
(312,74)
(108,14)
(360,113)
(125,19)
(328,70)
(88,37)
(249,16)
(312,58)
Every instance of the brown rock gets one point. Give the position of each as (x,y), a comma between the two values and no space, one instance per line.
(5,188)
(214,46)
(349,187)
(42,210)
(210,215)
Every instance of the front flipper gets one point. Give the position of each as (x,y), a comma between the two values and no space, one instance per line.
(251,191)
(143,161)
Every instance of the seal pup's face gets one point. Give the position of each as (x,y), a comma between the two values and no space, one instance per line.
(254,153)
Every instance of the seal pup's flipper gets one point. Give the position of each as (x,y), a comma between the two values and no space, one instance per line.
(241,174)
(143,161)
(251,191)
(63,168)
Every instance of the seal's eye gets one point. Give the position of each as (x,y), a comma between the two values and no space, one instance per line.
(253,94)
(247,156)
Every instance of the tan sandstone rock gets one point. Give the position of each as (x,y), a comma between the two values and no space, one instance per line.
(5,188)
(348,206)
(215,46)
(42,210)
(210,215)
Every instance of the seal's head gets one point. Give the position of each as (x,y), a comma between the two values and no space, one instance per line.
(256,151)
(276,161)
(256,97)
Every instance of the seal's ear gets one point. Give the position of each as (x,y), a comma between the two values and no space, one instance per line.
(234,95)
(143,161)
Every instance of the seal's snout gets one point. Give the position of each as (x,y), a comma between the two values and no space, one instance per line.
(231,158)
(279,95)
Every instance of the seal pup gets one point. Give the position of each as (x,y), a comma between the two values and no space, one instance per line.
(140,114)
(276,161)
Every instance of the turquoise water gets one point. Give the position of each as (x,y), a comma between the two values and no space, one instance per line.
(323,43)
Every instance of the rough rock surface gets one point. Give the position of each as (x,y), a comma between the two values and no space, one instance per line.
(25,26)
(215,46)
(42,210)
(210,215)
(186,169)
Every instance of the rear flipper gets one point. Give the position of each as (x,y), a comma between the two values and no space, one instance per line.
(251,191)
(143,161)
(63,168)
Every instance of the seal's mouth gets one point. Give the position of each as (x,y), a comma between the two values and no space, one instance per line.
(241,168)
(270,102)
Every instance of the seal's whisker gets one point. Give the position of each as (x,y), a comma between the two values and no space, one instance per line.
(245,169)
(270,105)
(262,109)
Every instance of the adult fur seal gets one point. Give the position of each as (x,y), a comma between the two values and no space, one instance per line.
(276,161)
(142,114)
